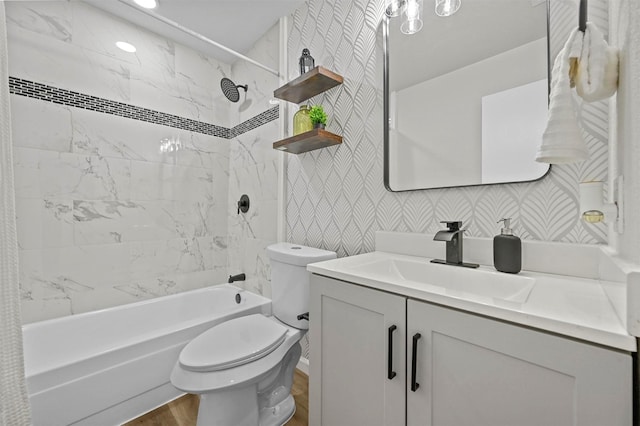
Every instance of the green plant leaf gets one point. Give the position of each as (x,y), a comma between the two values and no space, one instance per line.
(317,115)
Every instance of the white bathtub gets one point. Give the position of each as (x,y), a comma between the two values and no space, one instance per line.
(110,366)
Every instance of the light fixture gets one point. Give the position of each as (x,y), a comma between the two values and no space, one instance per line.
(593,209)
(127,47)
(394,8)
(412,22)
(446,8)
(147,4)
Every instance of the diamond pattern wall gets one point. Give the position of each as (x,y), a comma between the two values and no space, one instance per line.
(336,197)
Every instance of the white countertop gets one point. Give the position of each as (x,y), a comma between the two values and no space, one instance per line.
(571,306)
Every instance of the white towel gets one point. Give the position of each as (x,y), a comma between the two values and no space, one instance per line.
(597,72)
(562,140)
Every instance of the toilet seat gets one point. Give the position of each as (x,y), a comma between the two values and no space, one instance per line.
(207,381)
(233,343)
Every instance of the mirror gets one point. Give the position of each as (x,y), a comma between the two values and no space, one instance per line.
(465,98)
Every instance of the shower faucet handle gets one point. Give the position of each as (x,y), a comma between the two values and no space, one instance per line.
(243,204)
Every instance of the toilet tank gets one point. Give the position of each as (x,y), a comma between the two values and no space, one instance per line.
(290,280)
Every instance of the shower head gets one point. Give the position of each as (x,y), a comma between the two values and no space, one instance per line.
(230,89)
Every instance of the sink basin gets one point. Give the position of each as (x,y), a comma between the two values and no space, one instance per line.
(452,280)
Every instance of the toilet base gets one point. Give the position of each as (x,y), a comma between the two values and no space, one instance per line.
(267,402)
(278,415)
(233,407)
(236,408)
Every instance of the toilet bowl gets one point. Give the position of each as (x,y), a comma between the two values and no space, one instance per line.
(243,378)
(243,368)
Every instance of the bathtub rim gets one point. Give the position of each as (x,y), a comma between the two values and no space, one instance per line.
(31,371)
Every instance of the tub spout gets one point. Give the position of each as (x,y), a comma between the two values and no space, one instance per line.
(238,277)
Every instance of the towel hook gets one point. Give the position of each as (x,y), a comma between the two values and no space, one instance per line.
(582,19)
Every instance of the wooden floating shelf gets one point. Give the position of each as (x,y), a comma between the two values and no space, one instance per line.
(308,85)
(308,141)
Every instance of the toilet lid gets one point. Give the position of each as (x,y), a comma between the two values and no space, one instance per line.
(233,343)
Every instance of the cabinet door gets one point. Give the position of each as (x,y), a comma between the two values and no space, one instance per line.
(349,331)
(476,371)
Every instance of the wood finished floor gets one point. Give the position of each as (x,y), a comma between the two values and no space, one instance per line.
(183,411)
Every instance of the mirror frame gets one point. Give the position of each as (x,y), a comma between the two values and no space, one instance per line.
(385,87)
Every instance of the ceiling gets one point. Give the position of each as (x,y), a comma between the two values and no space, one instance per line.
(236,24)
(481,28)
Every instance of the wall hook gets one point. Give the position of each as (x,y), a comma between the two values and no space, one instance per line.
(243,204)
(582,16)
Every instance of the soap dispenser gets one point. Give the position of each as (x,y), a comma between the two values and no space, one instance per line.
(507,250)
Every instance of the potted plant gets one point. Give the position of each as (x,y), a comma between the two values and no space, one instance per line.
(318,117)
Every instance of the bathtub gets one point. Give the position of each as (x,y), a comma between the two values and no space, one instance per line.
(110,366)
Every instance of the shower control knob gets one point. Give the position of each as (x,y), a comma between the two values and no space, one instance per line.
(243,204)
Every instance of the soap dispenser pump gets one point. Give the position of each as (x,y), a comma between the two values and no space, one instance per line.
(507,250)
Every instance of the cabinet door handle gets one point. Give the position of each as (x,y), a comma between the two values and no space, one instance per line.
(414,358)
(390,373)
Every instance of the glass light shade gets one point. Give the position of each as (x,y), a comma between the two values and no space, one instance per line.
(593,216)
(394,8)
(447,7)
(593,209)
(412,22)
(592,206)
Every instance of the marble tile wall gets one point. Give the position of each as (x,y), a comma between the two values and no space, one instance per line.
(104,216)
(253,169)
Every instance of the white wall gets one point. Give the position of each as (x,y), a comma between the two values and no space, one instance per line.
(625,34)
(513,122)
(439,121)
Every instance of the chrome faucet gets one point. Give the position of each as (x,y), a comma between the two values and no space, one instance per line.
(452,236)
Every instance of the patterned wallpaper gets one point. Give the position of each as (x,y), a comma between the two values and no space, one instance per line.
(336,198)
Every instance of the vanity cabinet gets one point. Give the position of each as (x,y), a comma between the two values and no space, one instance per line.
(451,367)
(350,328)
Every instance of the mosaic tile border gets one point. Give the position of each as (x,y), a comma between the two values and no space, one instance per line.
(43,92)
(254,122)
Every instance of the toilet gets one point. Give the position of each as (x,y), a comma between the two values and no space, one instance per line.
(243,368)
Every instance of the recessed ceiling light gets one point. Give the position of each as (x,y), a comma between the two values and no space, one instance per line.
(127,47)
(147,4)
